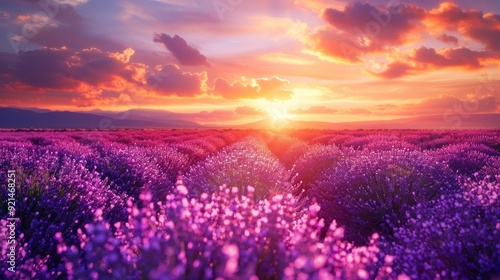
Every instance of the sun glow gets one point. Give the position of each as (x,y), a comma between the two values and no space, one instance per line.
(279,114)
(279,117)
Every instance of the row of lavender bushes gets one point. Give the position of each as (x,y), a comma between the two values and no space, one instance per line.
(230,235)
(103,206)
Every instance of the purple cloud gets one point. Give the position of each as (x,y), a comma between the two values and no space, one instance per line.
(184,53)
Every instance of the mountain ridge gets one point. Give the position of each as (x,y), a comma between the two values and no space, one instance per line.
(21,118)
(11,117)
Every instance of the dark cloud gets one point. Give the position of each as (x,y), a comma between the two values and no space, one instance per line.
(61,69)
(45,69)
(384,26)
(185,54)
(423,59)
(486,35)
(449,57)
(448,39)
(171,80)
(55,28)
(362,28)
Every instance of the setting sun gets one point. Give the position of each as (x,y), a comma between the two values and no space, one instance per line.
(279,114)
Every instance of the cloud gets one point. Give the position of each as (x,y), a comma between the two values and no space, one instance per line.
(235,90)
(96,97)
(330,45)
(385,107)
(474,24)
(59,3)
(171,80)
(61,69)
(361,28)
(4,15)
(360,111)
(249,111)
(314,110)
(384,26)
(448,39)
(394,70)
(185,54)
(273,88)
(270,88)
(91,70)
(486,35)
(448,103)
(424,59)
(461,56)
(124,56)
(63,27)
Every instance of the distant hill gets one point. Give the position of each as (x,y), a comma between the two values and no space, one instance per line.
(156,116)
(145,118)
(21,118)
(473,121)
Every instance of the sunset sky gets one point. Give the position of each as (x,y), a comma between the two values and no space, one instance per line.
(237,61)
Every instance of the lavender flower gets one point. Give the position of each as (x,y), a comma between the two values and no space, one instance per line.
(451,238)
(371,187)
(246,163)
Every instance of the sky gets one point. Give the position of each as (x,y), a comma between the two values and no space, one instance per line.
(238,61)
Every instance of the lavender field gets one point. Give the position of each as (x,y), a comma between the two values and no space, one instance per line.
(251,204)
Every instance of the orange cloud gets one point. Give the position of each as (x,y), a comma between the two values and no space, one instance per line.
(249,111)
(314,110)
(273,88)
(395,70)
(330,45)
(362,29)
(474,24)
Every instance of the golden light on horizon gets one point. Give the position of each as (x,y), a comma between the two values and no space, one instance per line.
(279,114)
